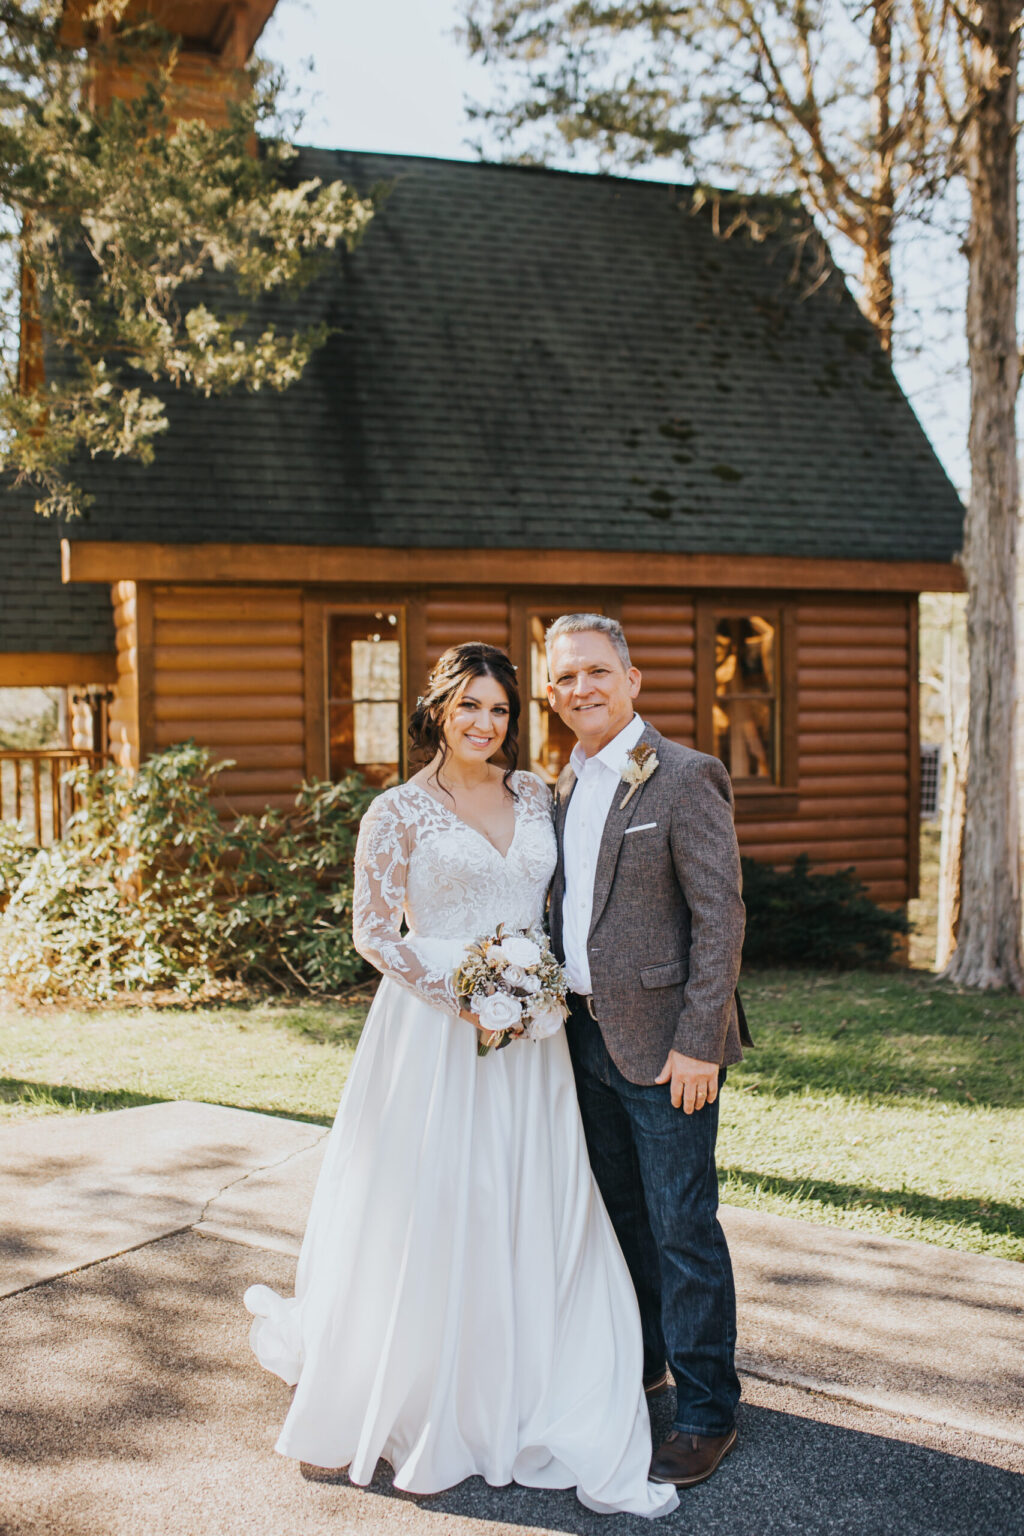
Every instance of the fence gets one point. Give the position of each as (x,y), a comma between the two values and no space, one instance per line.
(31,792)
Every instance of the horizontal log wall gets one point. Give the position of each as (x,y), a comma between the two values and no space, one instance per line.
(229,669)
(855,694)
(451,617)
(228,672)
(660,631)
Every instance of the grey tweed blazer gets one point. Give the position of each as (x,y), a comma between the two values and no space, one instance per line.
(667,926)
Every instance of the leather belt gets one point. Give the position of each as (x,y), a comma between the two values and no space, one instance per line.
(587,999)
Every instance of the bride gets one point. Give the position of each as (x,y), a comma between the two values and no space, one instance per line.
(462,1307)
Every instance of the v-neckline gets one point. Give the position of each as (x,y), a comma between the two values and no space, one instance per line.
(476,830)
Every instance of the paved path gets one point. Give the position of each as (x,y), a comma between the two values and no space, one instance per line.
(883,1381)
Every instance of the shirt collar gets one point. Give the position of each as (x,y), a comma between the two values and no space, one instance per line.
(613,755)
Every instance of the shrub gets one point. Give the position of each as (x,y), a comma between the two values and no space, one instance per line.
(150,889)
(795,917)
(15,858)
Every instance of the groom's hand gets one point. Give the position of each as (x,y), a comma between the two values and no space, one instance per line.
(694,1083)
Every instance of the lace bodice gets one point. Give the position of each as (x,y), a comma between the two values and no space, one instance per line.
(416,859)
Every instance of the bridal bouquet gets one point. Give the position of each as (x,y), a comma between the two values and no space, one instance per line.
(514,985)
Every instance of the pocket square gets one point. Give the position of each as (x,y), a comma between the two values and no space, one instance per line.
(645,826)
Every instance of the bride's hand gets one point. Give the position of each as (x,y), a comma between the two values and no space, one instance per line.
(486,1035)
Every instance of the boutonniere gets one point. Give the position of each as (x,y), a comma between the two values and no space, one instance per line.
(641,762)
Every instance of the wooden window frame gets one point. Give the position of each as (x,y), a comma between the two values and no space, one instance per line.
(317,611)
(753,800)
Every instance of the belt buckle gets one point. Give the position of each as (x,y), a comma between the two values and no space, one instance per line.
(590,1006)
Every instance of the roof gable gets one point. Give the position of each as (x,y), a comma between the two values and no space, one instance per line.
(550,360)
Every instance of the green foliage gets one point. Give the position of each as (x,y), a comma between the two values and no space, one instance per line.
(150,889)
(15,860)
(144,240)
(30,718)
(795,917)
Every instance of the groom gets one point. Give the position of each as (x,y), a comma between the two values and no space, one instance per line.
(646,915)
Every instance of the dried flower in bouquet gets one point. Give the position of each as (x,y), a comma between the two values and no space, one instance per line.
(513,983)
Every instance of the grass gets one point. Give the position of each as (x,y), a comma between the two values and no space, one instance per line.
(881,1101)
(278,1059)
(924,911)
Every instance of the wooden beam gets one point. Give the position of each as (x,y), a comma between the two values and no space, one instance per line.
(326,564)
(913,752)
(249,19)
(230,31)
(56,669)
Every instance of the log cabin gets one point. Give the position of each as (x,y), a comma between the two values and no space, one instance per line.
(542,391)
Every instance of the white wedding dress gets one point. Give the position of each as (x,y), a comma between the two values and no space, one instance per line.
(462,1307)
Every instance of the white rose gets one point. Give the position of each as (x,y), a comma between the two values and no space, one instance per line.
(499,1011)
(547,1021)
(530,984)
(519,950)
(513,976)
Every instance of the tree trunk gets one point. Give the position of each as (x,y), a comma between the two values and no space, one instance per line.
(988,952)
(954,713)
(879,221)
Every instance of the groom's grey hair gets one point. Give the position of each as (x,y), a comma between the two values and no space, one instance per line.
(585,624)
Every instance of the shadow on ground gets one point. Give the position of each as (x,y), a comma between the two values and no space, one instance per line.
(130,1386)
(62,1096)
(1000,1218)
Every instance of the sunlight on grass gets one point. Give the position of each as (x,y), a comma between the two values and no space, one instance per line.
(884,1102)
(275,1058)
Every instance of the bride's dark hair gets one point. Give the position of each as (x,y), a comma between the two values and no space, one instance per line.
(451,674)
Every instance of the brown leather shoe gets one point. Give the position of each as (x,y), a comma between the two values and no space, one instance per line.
(658,1383)
(688,1459)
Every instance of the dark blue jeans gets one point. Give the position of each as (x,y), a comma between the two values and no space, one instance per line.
(655,1168)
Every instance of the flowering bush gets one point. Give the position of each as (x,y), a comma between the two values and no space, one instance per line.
(150,889)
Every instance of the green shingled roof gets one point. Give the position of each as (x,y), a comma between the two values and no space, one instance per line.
(532,358)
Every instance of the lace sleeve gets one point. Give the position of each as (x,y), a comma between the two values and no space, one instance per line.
(382,862)
(535,793)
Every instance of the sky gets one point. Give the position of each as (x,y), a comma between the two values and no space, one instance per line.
(391,75)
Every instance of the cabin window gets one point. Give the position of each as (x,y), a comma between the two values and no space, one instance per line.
(745,710)
(746,687)
(364,672)
(550,740)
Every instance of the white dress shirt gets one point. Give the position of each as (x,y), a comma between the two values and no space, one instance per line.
(597,779)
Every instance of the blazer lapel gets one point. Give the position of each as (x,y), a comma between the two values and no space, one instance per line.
(563,794)
(618,820)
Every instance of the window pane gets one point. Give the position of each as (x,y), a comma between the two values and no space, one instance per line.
(550,740)
(365,704)
(376,734)
(744,737)
(746,695)
(745,655)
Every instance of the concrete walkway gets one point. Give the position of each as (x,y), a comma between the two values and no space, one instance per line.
(883,1380)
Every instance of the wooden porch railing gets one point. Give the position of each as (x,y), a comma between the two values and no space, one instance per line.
(31,792)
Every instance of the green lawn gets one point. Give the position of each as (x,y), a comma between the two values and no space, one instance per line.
(881,1101)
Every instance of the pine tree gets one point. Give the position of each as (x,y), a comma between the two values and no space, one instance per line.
(137,247)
